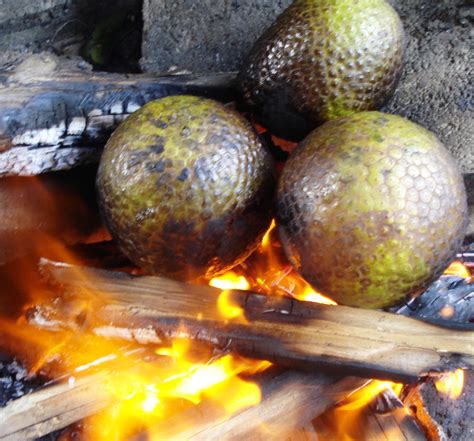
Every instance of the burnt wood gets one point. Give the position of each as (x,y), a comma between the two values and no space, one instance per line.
(442,417)
(55,117)
(288,394)
(384,419)
(291,333)
(448,301)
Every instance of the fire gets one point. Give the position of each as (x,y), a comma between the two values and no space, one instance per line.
(267,271)
(230,280)
(451,384)
(144,396)
(148,385)
(364,396)
(458,269)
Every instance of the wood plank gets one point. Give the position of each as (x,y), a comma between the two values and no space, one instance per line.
(291,333)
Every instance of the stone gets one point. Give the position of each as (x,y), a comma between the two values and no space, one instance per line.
(205,35)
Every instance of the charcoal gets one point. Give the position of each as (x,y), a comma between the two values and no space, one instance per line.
(448,301)
(14,380)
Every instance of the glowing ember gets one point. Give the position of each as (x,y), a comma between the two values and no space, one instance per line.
(451,384)
(458,269)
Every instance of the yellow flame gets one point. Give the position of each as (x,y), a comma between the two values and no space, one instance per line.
(451,384)
(458,269)
(311,295)
(228,308)
(230,280)
(266,240)
(144,396)
(364,396)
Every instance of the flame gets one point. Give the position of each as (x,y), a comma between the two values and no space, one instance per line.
(267,271)
(145,396)
(458,269)
(230,280)
(349,420)
(364,396)
(451,384)
(146,385)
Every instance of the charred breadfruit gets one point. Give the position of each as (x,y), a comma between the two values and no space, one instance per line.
(371,209)
(185,187)
(320,60)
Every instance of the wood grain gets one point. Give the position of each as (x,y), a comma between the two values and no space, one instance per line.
(315,337)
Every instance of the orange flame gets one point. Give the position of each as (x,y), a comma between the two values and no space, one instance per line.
(267,271)
(458,269)
(451,384)
(230,280)
(364,396)
(144,397)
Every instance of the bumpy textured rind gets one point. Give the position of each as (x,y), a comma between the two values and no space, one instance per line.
(371,208)
(320,60)
(185,187)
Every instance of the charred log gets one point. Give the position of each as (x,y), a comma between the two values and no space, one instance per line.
(444,418)
(55,117)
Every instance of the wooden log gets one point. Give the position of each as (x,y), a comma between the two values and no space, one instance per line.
(443,417)
(285,331)
(450,300)
(53,408)
(383,419)
(289,402)
(55,117)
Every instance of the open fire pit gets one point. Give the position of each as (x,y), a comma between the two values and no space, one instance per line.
(94,348)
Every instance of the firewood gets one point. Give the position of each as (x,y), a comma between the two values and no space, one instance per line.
(384,419)
(444,417)
(290,333)
(289,393)
(50,409)
(55,118)
(289,402)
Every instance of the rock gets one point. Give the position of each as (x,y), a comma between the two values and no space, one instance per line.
(436,89)
(203,36)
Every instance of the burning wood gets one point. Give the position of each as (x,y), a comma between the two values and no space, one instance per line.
(444,405)
(369,415)
(288,332)
(288,396)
